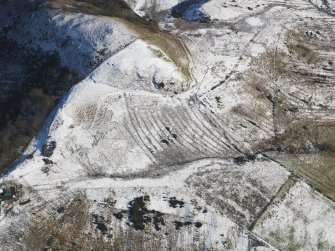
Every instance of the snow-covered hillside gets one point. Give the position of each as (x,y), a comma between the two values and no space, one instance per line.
(74,36)
(214,133)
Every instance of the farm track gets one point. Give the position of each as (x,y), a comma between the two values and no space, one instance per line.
(279,196)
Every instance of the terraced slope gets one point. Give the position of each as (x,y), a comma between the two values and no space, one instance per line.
(211,135)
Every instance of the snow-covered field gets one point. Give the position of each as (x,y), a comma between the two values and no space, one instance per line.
(304,218)
(177,162)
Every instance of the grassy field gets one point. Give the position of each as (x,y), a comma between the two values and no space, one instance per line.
(317,169)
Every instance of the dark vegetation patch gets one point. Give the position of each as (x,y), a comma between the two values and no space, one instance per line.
(99,221)
(47,161)
(165,141)
(158,220)
(240,160)
(60,210)
(48,148)
(158,85)
(180,224)
(173,202)
(173,135)
(8,193)
(139,216)
(120,215)
(72,227)
(32,82)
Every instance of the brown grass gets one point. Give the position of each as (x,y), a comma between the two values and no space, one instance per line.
(301,47)
(298,136)
(148,31)
(169,44)
(316,169)
(69,231)
(273,74)
(84,115)
(112,8)
(325,137)
(74,230)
